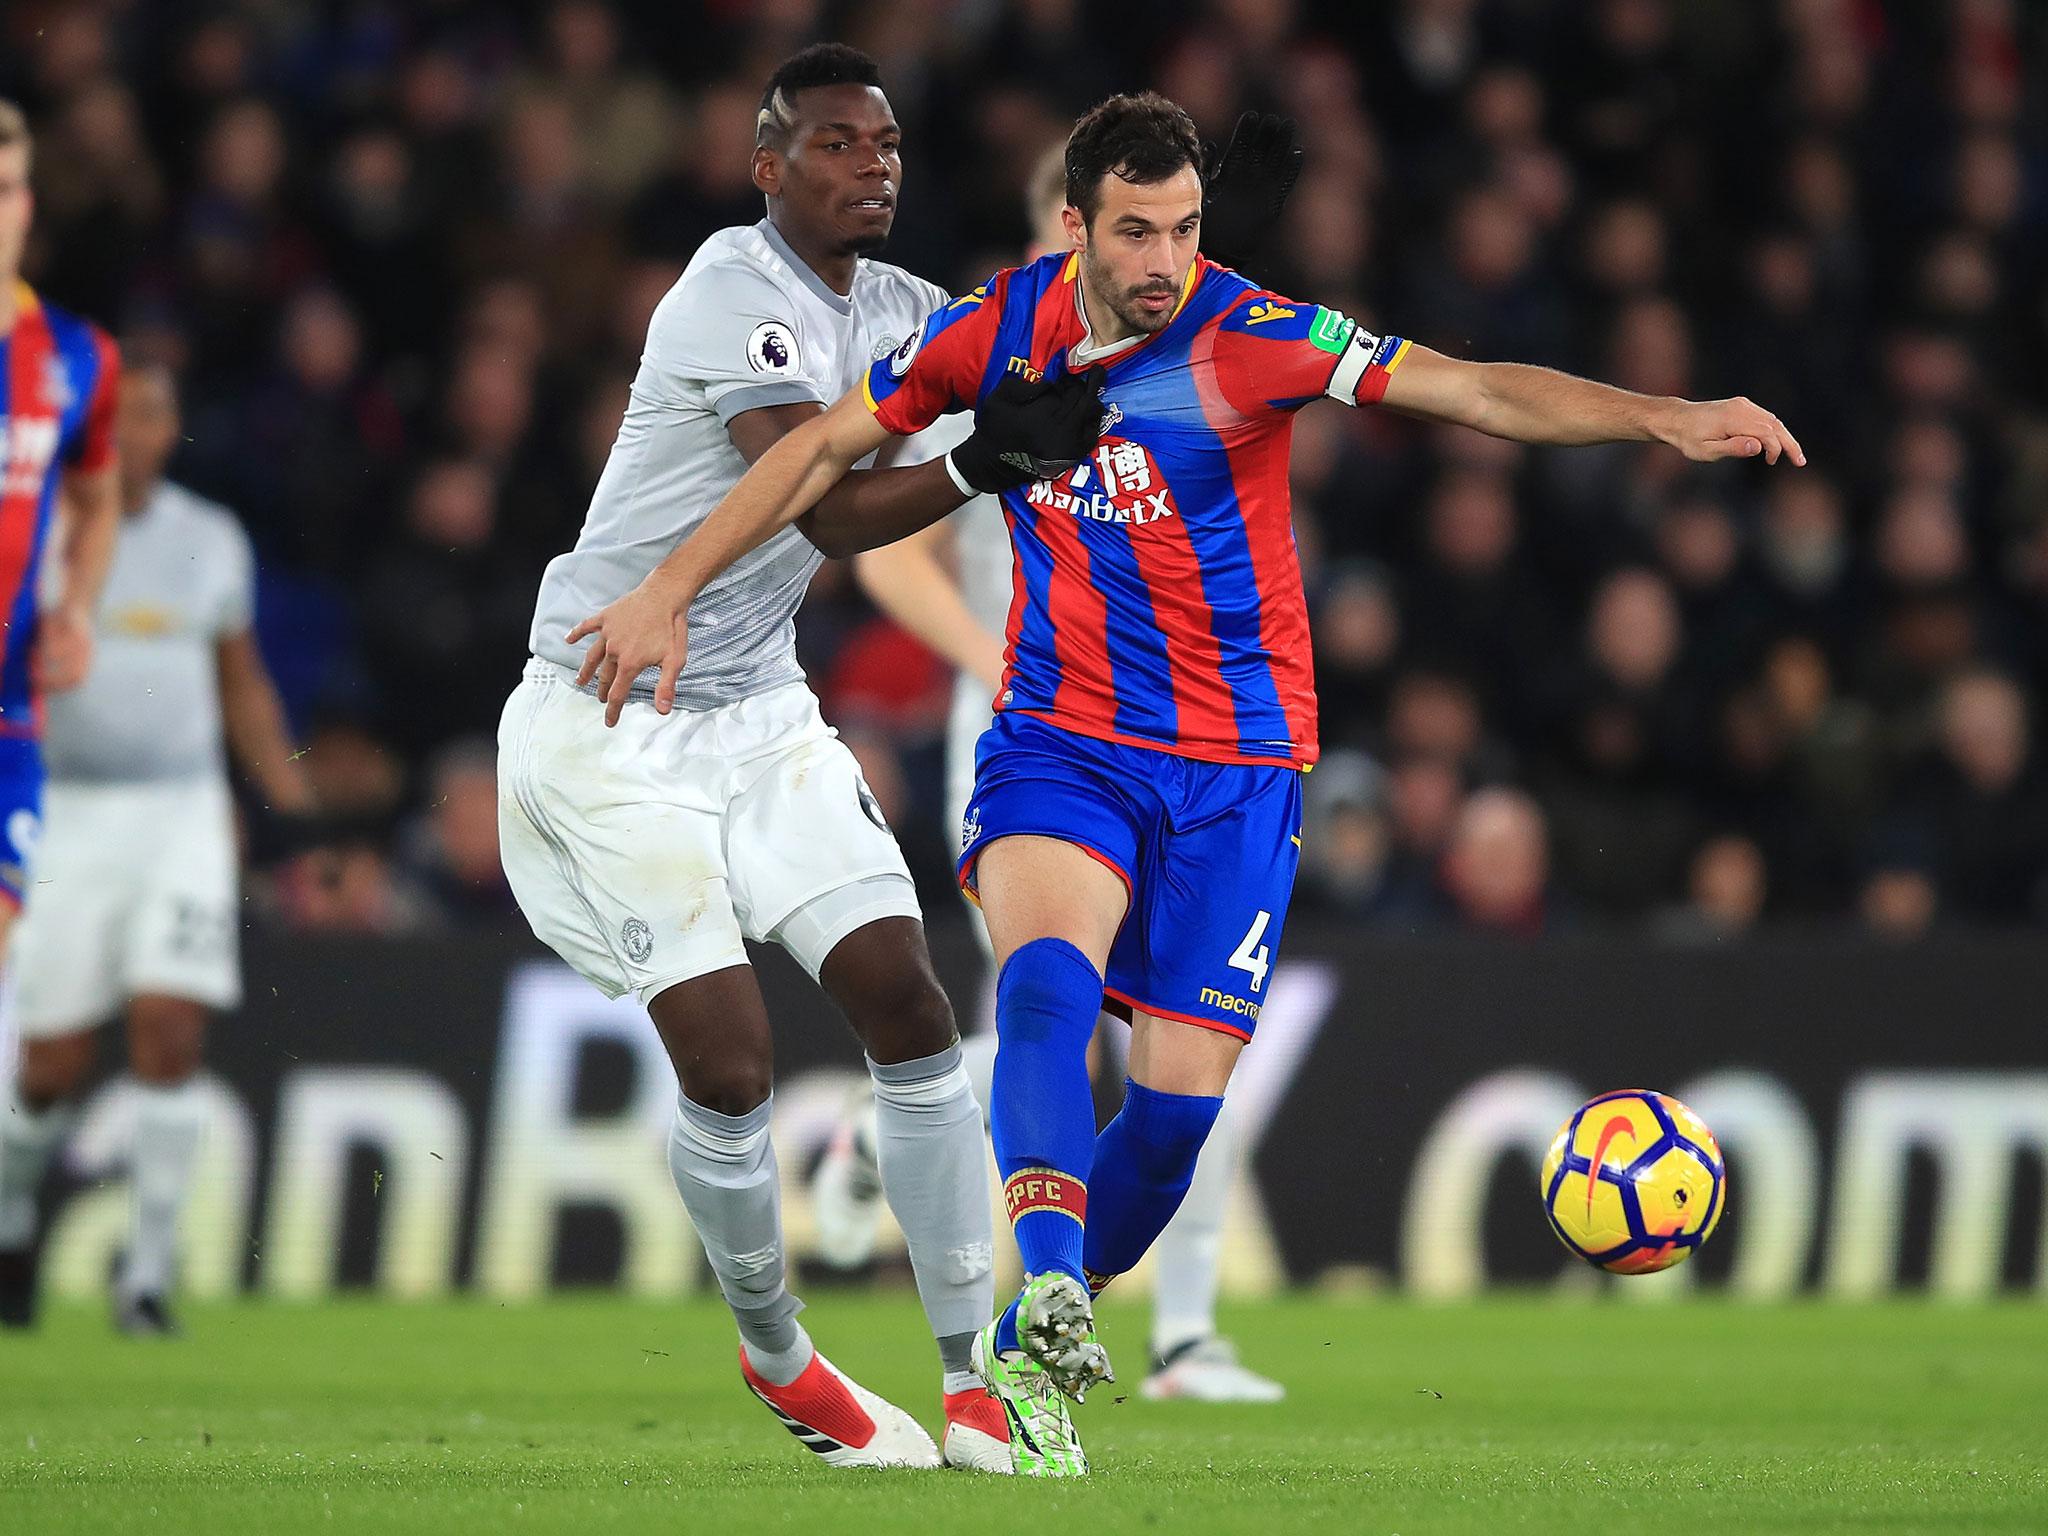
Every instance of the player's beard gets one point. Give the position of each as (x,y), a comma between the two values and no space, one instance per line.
(1123,301)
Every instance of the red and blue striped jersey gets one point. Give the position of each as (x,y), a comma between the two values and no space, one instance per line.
(1156,595)
(58,380)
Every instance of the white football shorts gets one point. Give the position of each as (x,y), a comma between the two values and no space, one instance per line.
(644,854)
(134,890)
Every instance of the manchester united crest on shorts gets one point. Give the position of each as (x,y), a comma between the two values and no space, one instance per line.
(638,940)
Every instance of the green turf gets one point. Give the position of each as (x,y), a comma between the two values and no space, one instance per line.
(603,1418)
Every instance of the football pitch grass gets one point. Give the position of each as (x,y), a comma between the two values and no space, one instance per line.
(606,1417)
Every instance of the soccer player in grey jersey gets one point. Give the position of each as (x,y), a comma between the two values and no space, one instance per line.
(134,910)
(725,809)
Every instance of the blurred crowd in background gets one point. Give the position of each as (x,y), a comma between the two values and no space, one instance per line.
(403,256)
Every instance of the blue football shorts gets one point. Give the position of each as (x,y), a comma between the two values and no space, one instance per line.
(1208,852)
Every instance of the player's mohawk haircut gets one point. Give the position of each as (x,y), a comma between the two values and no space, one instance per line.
(1139,139)
(819,64)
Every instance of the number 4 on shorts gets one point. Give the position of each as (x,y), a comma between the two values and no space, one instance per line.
(1246,958)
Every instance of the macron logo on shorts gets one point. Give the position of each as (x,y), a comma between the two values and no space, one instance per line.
(1211,998)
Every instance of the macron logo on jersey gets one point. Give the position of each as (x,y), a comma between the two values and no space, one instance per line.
(1120,484)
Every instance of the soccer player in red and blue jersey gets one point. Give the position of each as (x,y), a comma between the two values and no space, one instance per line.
(58,377)
(1135,824)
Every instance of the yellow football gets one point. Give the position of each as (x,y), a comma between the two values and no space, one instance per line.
(1634,1182)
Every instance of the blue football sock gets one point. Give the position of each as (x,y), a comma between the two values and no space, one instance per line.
(1144,1162)
(1042,1110)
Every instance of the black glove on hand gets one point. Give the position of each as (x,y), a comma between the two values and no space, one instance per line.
(1027,431)
(1248,187)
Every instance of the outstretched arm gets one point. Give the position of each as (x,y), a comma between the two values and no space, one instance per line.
(89,530)
(1540,405)
(1023,430)
(868,507)
(647,627)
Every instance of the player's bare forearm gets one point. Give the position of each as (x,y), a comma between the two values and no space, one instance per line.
(253,720)
(92,527)
(1540,405)
(866,509)
(787,481)
(872,508)
(909,582)
(648,627)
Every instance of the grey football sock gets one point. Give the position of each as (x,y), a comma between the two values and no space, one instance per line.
(934,1157)
(724,1168)
(169,1122)
(1188,1255)
(978,1055)
(27,1138)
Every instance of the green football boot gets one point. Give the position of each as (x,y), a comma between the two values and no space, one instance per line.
(1043,1440)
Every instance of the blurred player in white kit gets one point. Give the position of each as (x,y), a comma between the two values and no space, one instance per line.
(950,585)
(134,908)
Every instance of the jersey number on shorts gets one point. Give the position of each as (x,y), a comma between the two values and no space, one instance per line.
(1254,960)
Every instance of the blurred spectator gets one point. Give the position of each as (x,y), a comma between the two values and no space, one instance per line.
(1898,900)
(1979,804)
(1470,603)
(1699,549)
(1619,826)
(1726,890)
(1357,637)
(310,445)
(444,617)
(1423,796)
(350,889)
(624,121)
(355,777)
(1496,872)
(1346,846)
(1806,560)
(453,851)
(99,186)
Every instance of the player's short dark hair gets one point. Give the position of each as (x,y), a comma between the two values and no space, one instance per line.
(1139,139)
(819,64)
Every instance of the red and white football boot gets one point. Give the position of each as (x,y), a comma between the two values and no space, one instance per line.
(840,1420)
(977,1434)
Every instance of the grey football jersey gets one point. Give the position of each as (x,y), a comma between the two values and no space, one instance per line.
(981,554)
(149,710)
(748,325)
(982,561)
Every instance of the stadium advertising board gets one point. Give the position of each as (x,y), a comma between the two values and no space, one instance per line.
(428,1115)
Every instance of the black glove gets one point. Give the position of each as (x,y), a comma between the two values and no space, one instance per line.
(1027,430)
(1248,187)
